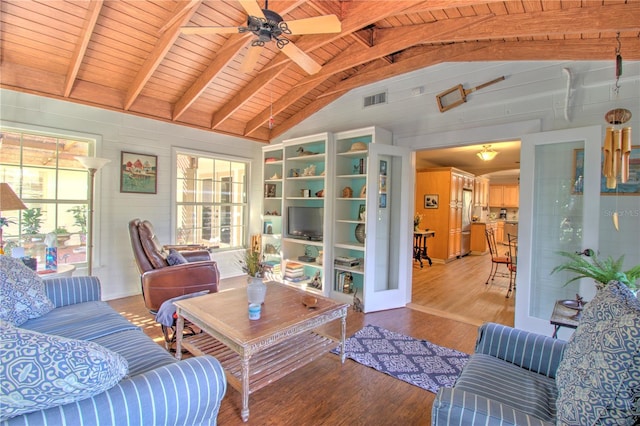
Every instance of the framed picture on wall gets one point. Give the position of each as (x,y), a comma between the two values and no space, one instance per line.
(431,201)
(138,173)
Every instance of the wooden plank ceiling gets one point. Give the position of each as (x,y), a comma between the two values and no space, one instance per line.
(131,55)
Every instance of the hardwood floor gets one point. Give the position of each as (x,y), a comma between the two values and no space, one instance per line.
(326,392)
(457,290)
(449,302)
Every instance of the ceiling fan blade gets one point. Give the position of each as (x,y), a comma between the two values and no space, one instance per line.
(318,25)
(250,59)
(301,58)
(209,30)
(252,8)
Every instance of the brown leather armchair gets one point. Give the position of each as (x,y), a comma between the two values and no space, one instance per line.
(159,280)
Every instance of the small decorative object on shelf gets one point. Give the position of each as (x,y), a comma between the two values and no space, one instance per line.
(347,192)
(309,171)
(320,193)
(301,152)
(363,191)
(269,190)
(359,233)
(316,283)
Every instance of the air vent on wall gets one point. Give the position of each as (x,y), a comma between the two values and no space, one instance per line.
(378,98)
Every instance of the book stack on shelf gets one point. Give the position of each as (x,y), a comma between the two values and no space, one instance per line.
(272,270)
(294,272)
(346,261)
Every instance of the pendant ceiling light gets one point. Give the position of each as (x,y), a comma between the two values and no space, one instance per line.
(487,154)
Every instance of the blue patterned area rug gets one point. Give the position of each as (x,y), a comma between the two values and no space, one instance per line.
(418,362)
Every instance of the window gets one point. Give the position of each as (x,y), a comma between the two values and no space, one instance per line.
(42,170)
(211,201)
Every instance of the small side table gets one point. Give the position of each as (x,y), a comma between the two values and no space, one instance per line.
(63,271)
(562,317)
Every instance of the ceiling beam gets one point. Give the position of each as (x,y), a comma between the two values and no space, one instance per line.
(356,55)
(185,10)
(223,57)
(93,11)
(356,14)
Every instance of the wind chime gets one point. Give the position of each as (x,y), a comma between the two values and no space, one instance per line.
(617,140)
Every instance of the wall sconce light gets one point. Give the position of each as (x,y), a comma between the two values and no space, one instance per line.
(487,154)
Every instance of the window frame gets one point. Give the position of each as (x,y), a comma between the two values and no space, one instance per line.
(175,151)
(93,142)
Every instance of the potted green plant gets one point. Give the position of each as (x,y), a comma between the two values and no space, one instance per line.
(80,220)
(32,220)
(602,271)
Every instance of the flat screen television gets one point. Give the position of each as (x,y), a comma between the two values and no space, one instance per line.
(305,222)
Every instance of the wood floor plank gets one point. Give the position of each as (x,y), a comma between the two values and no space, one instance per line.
(328,393)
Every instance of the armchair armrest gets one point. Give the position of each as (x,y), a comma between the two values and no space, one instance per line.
(188,392)
(196,255)
(161,284)
(532,351)
(72,290)
(458,407)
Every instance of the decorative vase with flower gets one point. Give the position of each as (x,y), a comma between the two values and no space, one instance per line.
(253,267)
(416,221)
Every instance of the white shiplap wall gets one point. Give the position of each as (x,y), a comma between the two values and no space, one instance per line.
(531,99)
(117,132)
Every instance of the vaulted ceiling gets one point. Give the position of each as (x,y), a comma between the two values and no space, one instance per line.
(133,55)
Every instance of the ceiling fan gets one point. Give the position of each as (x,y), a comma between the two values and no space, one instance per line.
(268,26)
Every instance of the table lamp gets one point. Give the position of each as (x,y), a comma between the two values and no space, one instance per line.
(92,164)
(8,201)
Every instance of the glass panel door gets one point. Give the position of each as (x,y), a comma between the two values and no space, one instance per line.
(562,209)
(388,241)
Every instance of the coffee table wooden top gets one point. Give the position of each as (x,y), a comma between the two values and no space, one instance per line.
(226,312)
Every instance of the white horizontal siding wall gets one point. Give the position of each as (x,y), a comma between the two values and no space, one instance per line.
(114,263)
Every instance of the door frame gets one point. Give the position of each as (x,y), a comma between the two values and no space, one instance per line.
(591,136)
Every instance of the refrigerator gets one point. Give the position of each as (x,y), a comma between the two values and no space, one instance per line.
(467,211)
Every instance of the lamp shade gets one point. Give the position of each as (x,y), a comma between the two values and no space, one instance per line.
(8,199)
(487,154)
(92,162)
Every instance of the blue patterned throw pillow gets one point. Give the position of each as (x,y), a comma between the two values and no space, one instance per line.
(22,295)
(39,370)
(598,379)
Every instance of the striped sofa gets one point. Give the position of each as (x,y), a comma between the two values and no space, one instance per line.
(158,389)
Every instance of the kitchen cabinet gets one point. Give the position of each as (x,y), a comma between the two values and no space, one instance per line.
(481,192)
(504,196)
(499,231)
(479,244)
(446,219)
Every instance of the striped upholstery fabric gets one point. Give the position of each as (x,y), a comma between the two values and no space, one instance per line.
(511,385)
(188,392)
(139,351)
(520,391)
(72,290)
(457,407)
(159,390)
(84,321)
(535,352)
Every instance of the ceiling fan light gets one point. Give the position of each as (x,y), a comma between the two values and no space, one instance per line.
(487,154)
